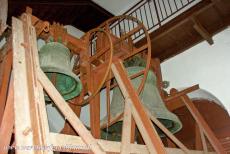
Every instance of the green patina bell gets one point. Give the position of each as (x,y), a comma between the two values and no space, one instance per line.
(55,61)
(151,100)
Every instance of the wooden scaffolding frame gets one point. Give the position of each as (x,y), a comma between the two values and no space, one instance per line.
(26,100)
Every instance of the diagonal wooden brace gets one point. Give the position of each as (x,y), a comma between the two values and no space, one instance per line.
(69,114)
(141,118)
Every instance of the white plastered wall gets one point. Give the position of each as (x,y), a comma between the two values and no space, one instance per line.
(205,65)
(116,7)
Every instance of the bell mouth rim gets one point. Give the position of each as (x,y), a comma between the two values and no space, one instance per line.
(66,73)
(119,118)
(177,126)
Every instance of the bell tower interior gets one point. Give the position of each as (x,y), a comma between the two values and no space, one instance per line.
(94,76)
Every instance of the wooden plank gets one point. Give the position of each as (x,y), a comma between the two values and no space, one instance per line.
(24,136)
(68,113)
(29,104)
(6,129)
(36,95)
(108,83)
(181,93)
(126,128)
(38,89)
(95,116)
(141,118)
(203,125)
(7,66)
(3,15)
(77,145)
(61,140)
(133,131)
(173,101)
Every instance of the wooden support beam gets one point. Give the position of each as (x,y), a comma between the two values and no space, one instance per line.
(28,129)
(203,125)
(173,101)
(141,118)
(38,89)
(95,116)
(126,128)
(7,66)
(202,31)
(181,93)
(6,129)
(95,108)
(77,145)
(133,130)
(69,114)
(108,101)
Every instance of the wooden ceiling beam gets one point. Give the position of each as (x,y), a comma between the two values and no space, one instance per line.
(202,31)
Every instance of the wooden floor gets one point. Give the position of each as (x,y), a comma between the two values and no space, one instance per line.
(197,24)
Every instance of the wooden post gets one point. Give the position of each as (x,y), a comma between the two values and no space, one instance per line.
(29,105)
(133,130)
(126,128)
(6,129)
(95,116)
(7,65)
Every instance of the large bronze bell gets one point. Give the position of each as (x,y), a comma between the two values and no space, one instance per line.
(55,61)
(151,100)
